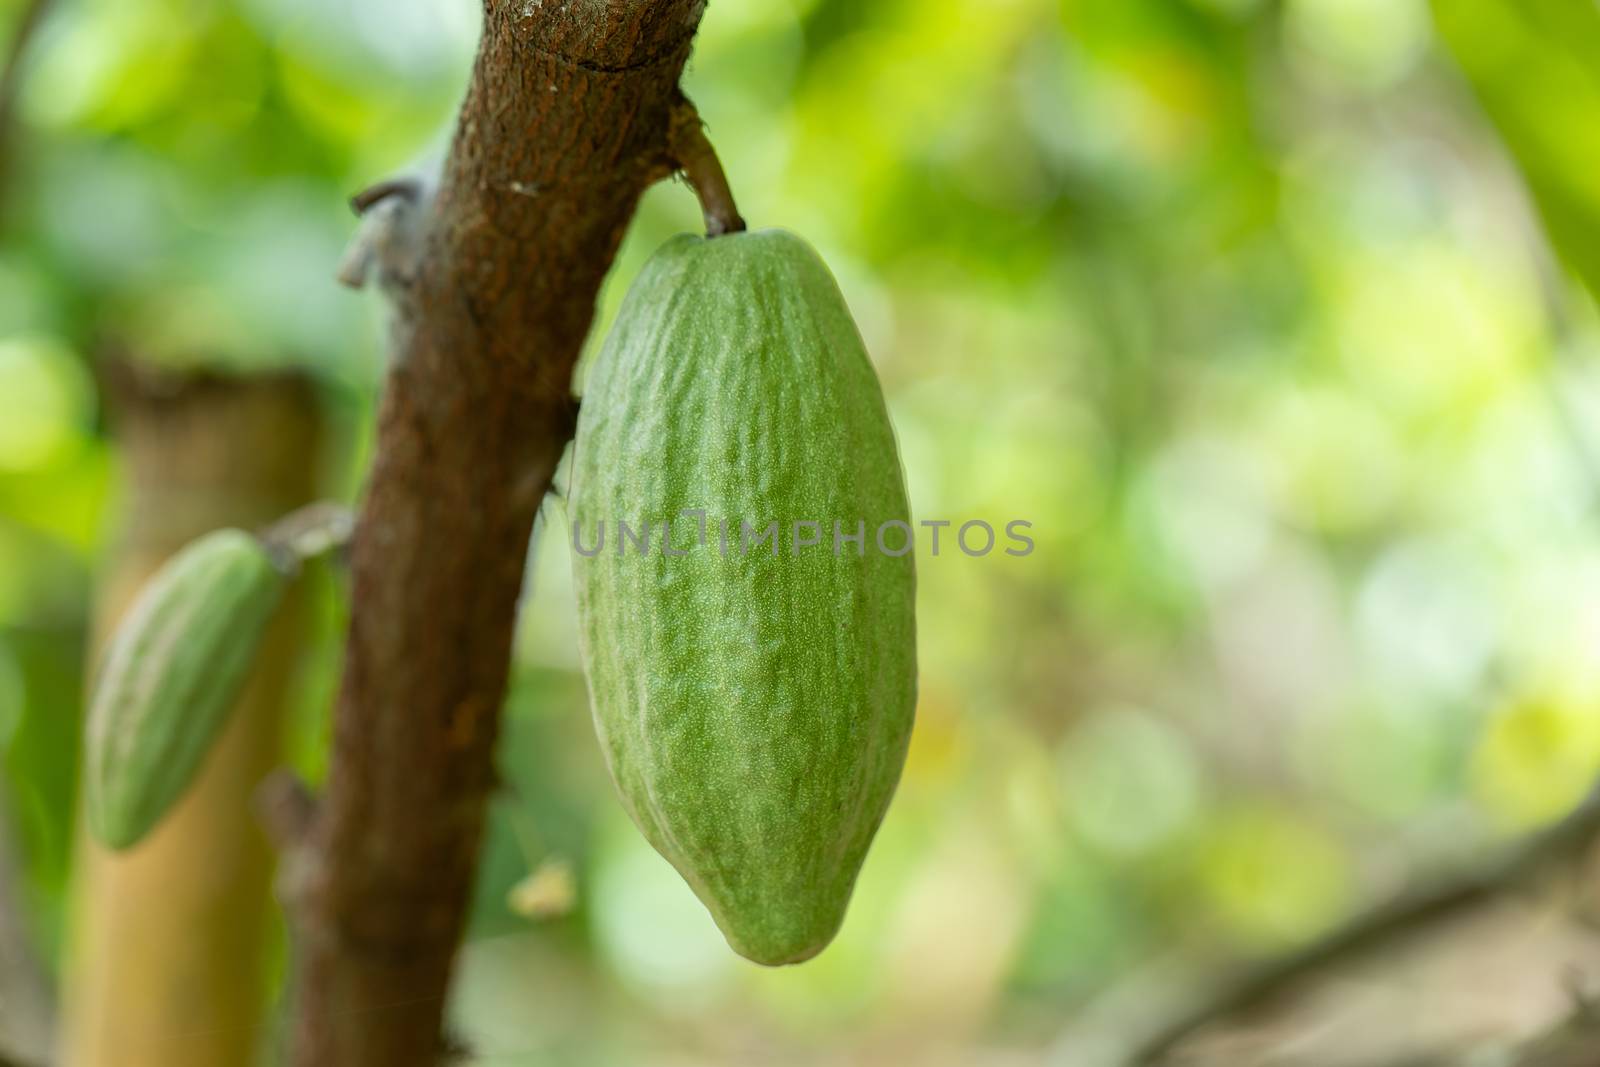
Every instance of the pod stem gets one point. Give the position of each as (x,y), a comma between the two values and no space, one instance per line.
(303,535)
(693,154)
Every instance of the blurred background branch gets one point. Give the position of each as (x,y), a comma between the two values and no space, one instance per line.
(23,31)
(1565,845)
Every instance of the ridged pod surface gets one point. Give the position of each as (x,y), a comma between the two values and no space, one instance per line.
(754,704)
(173,673)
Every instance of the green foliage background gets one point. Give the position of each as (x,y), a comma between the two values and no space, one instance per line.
(1244,304)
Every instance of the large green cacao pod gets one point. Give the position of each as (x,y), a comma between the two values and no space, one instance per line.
(173,673)
(755,700)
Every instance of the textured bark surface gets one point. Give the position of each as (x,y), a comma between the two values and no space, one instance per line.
(565,123)
(167,966)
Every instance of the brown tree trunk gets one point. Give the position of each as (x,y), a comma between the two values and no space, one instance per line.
(167,964)
(567,120)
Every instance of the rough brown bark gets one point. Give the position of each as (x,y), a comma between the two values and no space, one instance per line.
(565,123)
(168,965)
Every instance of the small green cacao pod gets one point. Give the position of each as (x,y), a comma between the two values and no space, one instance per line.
(172,675)
(754,696)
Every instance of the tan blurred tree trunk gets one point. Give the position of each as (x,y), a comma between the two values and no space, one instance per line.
(167,964)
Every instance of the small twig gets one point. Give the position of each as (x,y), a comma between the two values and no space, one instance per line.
(286,809)
(308,532)
(1402,917)
(406,188)
(389,239)
(693,154)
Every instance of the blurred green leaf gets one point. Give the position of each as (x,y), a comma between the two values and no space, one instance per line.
(1535,66)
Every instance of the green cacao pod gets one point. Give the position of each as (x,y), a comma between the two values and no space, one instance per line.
(172,675)
(754,698)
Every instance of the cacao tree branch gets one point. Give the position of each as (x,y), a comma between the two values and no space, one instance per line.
(566,121)
(692,153)
(1388,924)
